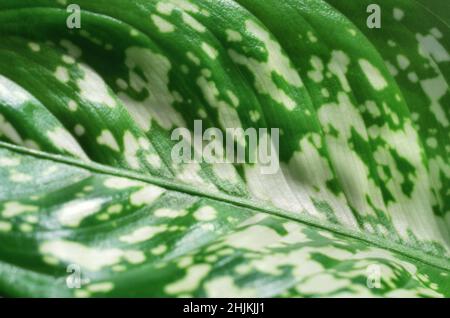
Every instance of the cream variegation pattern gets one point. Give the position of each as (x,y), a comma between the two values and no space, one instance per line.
(87,177)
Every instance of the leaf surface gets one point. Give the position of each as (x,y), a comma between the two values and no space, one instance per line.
(87,176)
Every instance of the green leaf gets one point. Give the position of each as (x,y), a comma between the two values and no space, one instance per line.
(89,189)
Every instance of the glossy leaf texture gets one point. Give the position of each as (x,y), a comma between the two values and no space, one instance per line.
(88,185)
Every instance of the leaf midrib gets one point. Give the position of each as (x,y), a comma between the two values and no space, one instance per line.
(418,256)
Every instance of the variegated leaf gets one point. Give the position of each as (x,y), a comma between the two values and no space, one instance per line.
(88,182)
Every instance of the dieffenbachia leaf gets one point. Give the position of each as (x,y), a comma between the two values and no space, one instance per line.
(88,182)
